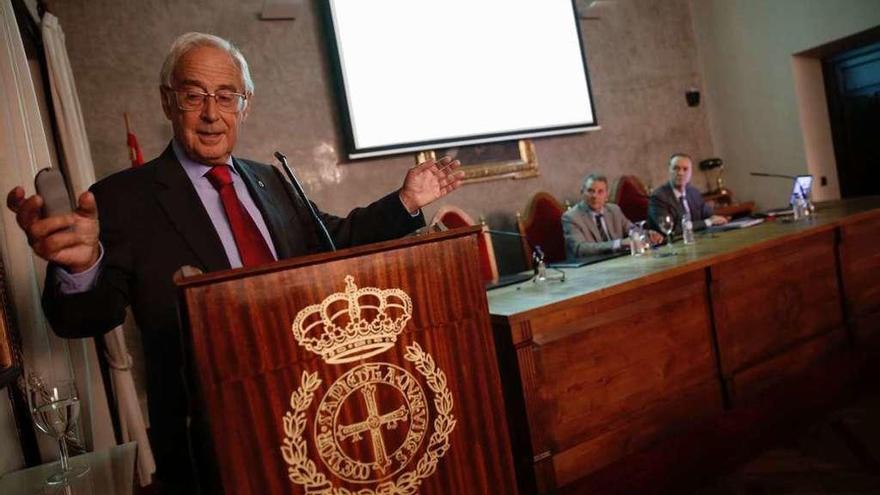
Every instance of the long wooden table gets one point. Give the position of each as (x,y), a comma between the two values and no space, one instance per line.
(635,350)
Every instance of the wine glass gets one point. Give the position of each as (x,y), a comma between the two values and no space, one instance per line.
(54,407)
(666,224)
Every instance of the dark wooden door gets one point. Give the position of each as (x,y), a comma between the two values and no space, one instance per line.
(852,83)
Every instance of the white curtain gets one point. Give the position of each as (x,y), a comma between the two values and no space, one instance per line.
(80,172)
(23,151)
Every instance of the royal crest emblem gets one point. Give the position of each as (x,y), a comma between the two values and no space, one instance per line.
(372,421)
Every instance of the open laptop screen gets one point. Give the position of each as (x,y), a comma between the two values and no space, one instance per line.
(802,187)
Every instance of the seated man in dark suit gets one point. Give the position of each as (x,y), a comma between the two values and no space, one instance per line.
(678,198)
(196,204)
(594,226)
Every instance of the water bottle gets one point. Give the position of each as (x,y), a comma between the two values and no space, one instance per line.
(687,229)
(798,208)
(806,211)
(635,241)
(539,265)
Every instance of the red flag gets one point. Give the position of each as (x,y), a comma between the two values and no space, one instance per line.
(134,149)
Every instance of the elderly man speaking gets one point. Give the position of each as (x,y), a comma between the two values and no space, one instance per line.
(195,204)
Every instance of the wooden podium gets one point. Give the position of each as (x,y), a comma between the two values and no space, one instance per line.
(369,370)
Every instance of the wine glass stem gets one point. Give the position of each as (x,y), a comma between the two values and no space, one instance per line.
(62,446)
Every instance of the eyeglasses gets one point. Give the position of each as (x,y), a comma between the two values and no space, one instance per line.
(190,100)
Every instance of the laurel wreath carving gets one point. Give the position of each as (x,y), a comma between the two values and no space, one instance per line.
(302,470)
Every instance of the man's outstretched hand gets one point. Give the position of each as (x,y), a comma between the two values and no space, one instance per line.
(429,181)
(69,240)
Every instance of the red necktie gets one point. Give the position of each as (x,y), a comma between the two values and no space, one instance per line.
(252,247)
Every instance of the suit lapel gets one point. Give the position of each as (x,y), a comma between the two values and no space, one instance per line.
(185,211)
(590,221)
(611,222)
(690,194)
(271,199)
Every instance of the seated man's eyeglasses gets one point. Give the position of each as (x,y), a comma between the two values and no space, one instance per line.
(190,100)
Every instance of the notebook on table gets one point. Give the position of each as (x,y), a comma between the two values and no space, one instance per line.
(587,260)
(739,223)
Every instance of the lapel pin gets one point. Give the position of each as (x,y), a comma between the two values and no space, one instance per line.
(260,183)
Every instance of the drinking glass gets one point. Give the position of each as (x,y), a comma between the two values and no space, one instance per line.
(54,407)
(666,224)
(637,241)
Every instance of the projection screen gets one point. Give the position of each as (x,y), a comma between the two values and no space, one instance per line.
(422,74)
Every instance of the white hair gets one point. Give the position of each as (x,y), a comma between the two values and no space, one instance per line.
(186,42)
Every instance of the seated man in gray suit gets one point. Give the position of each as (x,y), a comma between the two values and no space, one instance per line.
(594,226)
(678,198)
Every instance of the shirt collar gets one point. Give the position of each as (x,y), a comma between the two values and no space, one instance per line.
(194,170)
(594,212)
(678,194)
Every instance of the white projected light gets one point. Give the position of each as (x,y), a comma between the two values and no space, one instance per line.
(421,74)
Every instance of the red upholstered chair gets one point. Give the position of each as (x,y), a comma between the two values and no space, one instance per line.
(631,196)
(454,217)
(542,226)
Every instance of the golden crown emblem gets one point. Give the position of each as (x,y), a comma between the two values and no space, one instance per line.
(355,324)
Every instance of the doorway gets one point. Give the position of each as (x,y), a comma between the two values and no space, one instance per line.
(852,85)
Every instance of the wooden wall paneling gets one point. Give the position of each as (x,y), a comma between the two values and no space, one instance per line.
(860,268)
(723,383)
(619,373)
(631,358)
(533,394)
(510,341)
(772,302)
(839,264)
(748,384)
(715,447)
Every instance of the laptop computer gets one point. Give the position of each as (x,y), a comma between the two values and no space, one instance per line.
(802,187)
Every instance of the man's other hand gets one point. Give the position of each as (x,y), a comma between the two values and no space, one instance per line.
(655,237)
(718,220)
(69,240)
(430,181)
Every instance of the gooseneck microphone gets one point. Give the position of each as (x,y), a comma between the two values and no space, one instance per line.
(319,225)
(538,264)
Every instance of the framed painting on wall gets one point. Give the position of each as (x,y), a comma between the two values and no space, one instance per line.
(10,365)
(482,162)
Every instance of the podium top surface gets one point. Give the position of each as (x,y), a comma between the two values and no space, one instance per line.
(317,258)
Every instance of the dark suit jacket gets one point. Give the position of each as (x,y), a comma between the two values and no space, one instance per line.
(663,201)
(152,223)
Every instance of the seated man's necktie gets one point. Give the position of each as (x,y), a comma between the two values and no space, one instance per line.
(600,221)
(684,207)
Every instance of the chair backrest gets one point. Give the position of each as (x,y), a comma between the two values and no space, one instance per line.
(541,225)
(454,217)
(631,196)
